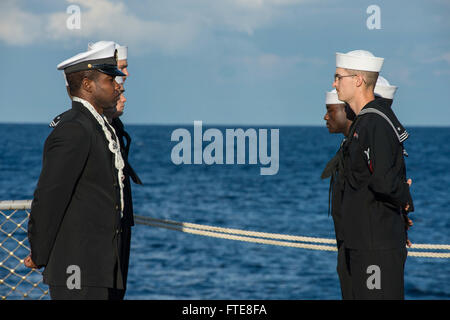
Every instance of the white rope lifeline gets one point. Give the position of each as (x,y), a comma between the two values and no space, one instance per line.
(249,236)
(258,237)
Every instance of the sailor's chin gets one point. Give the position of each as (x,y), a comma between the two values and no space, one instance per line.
(330,129)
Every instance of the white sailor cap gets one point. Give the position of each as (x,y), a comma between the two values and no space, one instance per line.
(119,80)
(359,60)
(384,89)
(99,44)
(122,51)
(102,57)
(331,97)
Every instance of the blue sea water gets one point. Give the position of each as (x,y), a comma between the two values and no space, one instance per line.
(167,264)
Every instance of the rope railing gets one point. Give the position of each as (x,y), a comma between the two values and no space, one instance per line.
(181,226)
(238,231)
(258,237)
(17,281)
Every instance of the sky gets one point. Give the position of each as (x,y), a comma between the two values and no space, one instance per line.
(244,62)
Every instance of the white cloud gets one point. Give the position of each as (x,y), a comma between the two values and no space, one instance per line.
(18,27)
(170,26)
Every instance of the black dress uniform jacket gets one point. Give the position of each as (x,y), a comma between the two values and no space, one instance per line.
(375,188)
(75,213)
(125,142)
(128,213)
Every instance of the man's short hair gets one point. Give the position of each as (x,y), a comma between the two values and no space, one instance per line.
(370,78)
(75,79)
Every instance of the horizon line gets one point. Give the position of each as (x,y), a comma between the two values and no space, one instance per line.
(225,124)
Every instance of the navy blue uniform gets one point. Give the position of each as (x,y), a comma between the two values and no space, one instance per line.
(335,170)
(373,200)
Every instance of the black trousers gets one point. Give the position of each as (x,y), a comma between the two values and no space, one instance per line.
(124,253)
(85,293)
(101,293)
(372,274)
(345,279)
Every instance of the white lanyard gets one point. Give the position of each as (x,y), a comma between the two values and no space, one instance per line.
(113,145)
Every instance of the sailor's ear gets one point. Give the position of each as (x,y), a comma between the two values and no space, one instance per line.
(87,85)
(359,80)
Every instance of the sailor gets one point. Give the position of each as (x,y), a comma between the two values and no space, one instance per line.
(122,65)
(375,193)
(337,121)
(75,219)
(339,117)
(386,92)
(383,89)
(112,116)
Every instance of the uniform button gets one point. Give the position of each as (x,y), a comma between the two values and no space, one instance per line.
(117,207)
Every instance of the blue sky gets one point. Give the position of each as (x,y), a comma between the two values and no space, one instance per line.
(247,62)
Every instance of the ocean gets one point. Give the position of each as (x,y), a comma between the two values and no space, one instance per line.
(167,264)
